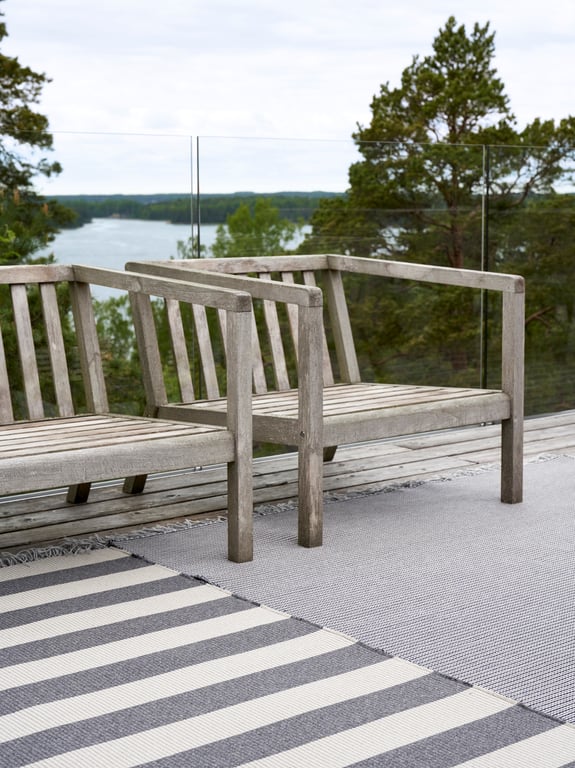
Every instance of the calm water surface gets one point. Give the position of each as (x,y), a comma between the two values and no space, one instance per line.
(113,242)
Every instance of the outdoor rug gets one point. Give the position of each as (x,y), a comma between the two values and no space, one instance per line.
(108,661)
(442,574)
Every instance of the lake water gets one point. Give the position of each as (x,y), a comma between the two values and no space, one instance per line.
(112,242)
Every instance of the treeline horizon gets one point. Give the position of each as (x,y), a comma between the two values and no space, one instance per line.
(213,208)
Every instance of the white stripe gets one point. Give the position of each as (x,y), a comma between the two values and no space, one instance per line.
(108,614)
(82,707)
(59,563)
(53,594)
(154,744)
(551,749)
(132,647)
(392,732)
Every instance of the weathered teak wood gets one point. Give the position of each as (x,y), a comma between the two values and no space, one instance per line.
(324,412)
(51,435)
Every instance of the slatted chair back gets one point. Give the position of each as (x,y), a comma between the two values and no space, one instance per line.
(277,320)
(276,337)
(53,357)
(48,345)
(281,320)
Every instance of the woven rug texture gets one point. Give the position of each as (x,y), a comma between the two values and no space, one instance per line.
(442,574)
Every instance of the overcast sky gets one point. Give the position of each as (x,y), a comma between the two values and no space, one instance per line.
(273,90)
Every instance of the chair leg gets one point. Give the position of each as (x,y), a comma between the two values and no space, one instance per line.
(240,510)
(134,484)
(78,494)
(310,496)
(512,461)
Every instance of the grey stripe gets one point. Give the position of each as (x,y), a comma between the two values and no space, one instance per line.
(67,575)
(314,725)
(286,733)
(96,600)
(156,664)
(90,637)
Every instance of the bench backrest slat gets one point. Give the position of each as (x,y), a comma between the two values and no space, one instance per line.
(56,349)
(341,327)
(89,348)
(292,313)
(281,377)
(6,412)
(206,352)
(27,351)
(180,350)
(148,351)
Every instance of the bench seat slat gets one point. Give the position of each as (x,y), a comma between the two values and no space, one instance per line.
(71,463)
(72,436)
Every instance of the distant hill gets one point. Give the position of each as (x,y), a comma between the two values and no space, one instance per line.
(181,208)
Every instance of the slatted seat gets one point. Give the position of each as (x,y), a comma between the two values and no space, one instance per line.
(56,428)
(329,404)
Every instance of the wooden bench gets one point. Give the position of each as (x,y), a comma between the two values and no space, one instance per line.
(323,411)
(56,429)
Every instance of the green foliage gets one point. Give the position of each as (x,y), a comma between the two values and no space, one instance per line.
(119,355)
(190,249)
(182,209)
(28,221)
(261,232)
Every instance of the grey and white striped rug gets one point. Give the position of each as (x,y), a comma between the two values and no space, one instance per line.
(107,660)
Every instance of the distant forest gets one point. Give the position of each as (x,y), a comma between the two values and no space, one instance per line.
(181,209)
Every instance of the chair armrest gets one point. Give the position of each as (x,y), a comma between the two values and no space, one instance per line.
(271,290)
(468,278)
(208,295)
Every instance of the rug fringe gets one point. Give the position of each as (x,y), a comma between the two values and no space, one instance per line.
(66,547)
(79,546)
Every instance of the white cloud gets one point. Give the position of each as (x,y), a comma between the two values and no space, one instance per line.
(256,69)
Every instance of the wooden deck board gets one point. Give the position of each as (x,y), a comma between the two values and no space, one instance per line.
(44,519)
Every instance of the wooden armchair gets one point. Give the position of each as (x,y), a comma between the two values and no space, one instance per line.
(330,405)
(56,429)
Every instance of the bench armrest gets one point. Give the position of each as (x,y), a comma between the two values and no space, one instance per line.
(271,290)
(230,298)
(468,278)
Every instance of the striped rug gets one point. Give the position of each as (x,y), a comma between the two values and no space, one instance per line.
(107,660)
